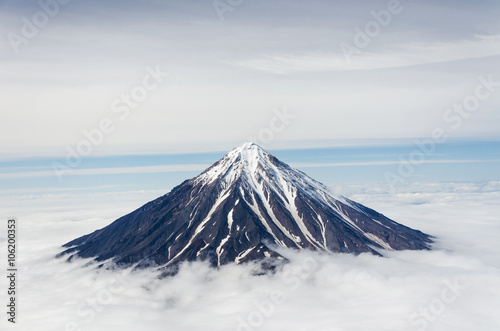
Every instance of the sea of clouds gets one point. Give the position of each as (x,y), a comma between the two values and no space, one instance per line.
(456,286)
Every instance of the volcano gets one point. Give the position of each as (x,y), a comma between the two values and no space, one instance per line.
(241,209)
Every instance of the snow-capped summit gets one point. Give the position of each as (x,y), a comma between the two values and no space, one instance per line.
(241,160)
(240,209)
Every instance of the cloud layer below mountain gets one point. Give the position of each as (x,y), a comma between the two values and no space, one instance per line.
(454,287)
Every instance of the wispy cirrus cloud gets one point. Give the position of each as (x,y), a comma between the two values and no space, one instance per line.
(111,171)
(381,163)
(200,167)
(409,54)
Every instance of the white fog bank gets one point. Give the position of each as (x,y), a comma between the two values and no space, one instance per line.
(456,286)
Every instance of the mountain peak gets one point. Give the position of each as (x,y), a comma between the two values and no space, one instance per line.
(239,210)
(248,151)
(248,146)
(246,160)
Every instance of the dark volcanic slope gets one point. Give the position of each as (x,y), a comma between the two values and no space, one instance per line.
(236,211)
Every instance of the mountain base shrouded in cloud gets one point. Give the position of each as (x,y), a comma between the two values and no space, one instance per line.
(243,208)
(313,292)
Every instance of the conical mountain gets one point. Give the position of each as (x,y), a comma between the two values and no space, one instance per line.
(239,210)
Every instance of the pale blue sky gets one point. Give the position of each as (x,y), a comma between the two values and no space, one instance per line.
(228,79)
(450,162)
(227,76)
